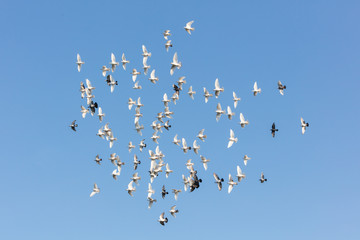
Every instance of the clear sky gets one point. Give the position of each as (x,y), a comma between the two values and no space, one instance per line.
(47,171)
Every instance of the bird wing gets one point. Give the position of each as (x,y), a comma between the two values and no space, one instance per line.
(216,177)
(175,58)
(183,142)
(188,25)
(144,49)
(230,144)
(230,188)
(218,107)
(152,74)
(255,86)
(78,57)
(232,135)
(123,57)
(217,85)
(242,119)
(279,84)
(238,170)
(113,58)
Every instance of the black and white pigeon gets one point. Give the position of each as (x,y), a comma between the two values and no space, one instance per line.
(98,159)
(93,105)
(262,178)
(273,130)
(73,125)
(281,88)
(142,145)
(167,125)
(218,181)
(163,192)
(176,89)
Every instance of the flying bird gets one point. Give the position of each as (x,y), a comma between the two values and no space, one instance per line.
(84,111)
(167,45)
(196,147)
(219,111)
(162,220)
(218,181)
(130,189)
(281,88)
(152,78)
(101,115)
(217,88)
(176,193)
(207,95)
(73,125)
(136,161)
(231,184)
(79,62)
(201,135)
(191,93)
(151,201)
(273,130)
(166,34)
(134,74)
(204,162)
(113,62)
(262,178)
(240,175)
(304,125)
(185,148)
(163,192)
(230,113)
(242,122)
(145,65)
(175,64)
(124,61)
(188,27)
(104,69)
(173,211)
(168,170)
(95,190)
(236,99)
(256,89)
(246,158)
(130,146)
(232,139)
(98,159)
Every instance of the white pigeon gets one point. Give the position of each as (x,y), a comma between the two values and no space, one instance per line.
(186,182)
(240,175)
(100,133)
(181,81)
(142,144)
(196,147)
(168,113)
(101,115)
(230,113)
(219,111)
(217,88)
(95,190)
(152,78)
(139,104)
(188,27)
(175,97)
(137,115)
(124,61)
(116,173)
(176,193)
(231,184)
(165,100)
(218,181)
(130,146)
(166,34)
(173,211)
(191,92)
(136,178)
(84,111)
(112,139)
(204,161)
(189,164)
(242,122)
(79,62)
(113,158)
(150,190)
(107,130)
(185,148)
(131,103)
(207,95)
(104,69)
(168,170)
(304,125)
(155,137)
(167,45)
(134,74)
(136,161)
(138,128)
(236,99)
(145,54)
(137,86)
(113,62)
(145,65)
(232,138)
(89,96)
(256,89)
(201,135)
(246,158)
(151,201)
(176,141)
(131,188)
(175,64)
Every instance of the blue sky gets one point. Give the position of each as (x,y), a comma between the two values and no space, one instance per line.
(47,171)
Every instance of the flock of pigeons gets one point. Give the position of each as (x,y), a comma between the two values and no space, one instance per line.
(192,182)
